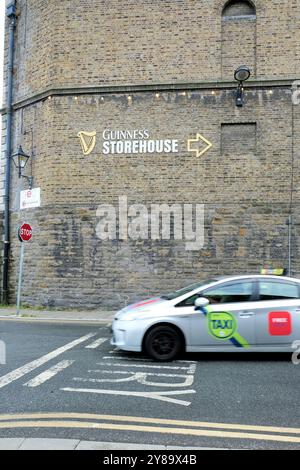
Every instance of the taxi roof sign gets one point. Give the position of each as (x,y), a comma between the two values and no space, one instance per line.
(274,271)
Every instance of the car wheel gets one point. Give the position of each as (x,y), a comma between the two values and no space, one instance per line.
(163,343)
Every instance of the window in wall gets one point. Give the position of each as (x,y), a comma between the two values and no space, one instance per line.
(238,9)
(238,138)
(238,37)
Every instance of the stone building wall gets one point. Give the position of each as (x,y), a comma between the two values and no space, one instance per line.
(63,43)
(164,67)
(246,192)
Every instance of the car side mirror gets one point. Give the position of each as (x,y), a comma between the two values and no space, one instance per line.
(201,302)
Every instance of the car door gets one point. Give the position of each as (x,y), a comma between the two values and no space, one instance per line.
(228,321)
(277,321)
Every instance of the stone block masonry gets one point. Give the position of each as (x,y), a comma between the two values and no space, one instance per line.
(161,70)
(245,191)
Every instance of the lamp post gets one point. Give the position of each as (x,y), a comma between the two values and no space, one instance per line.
(20,159)
(12,17)
(241,74)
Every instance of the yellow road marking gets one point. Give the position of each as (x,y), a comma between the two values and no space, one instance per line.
(138,419)
(148,429)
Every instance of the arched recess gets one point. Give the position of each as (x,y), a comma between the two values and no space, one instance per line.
(238,36)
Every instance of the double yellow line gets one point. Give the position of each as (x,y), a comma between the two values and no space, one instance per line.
(150,425)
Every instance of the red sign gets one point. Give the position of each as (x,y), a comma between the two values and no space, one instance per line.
(25,232)
(280,323)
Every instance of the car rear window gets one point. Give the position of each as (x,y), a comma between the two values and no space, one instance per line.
(235,292)
(274,290)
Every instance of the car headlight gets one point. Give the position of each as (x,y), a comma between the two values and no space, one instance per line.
(135,316)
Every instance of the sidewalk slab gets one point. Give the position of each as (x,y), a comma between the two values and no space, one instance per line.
(88,445)
(31,315)
(194,448)
(49,444)
(11,444)
(76,444)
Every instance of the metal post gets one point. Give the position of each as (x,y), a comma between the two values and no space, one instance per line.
(20,278)
(290,243)
(11,13)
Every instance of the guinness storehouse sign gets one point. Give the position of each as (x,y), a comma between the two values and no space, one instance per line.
(139,141)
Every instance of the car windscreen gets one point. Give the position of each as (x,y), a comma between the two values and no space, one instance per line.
(186,290)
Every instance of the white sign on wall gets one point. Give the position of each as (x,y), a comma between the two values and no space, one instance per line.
(30,198)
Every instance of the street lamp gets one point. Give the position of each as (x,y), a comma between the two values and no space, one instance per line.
(241,74)
(20,159)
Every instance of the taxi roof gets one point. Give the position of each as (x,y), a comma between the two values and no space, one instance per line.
(258,276)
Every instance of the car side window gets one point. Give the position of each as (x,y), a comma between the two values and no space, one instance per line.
(236,292)
(274,290)
(189,302)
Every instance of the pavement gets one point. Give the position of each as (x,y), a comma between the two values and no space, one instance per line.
(101,316)
(75,444)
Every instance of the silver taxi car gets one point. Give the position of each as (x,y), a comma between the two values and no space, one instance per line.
(259,313)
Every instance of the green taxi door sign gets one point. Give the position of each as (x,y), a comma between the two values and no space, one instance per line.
(221,325)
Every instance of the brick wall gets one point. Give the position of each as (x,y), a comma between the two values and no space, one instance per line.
(246,181)
(94,42)
(245,191)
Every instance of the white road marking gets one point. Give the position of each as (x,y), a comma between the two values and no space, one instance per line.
(125,357)
(191,362)
(163,396)
(141,377)
(144,366)
(48,374)
(21,371)
(96,343)
(124,372)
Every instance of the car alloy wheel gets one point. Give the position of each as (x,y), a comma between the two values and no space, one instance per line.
(163,343)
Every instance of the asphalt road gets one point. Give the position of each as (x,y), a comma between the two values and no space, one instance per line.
(70,383)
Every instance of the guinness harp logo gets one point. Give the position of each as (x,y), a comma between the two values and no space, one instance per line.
(88,141)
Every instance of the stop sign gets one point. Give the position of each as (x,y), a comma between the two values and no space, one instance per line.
(25,232)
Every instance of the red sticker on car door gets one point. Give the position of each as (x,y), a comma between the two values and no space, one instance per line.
(280,324)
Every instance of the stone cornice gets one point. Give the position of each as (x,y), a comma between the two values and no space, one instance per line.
(147,88)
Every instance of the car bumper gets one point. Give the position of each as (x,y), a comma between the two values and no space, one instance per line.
(127,335)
